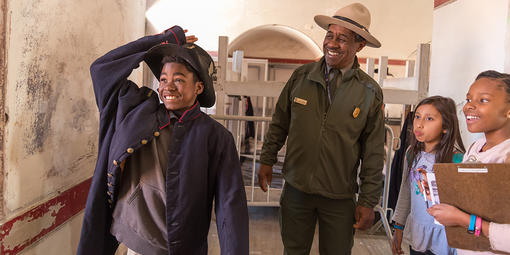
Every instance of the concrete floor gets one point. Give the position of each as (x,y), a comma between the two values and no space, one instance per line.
(265,237)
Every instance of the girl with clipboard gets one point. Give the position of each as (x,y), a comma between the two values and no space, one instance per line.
(487,110)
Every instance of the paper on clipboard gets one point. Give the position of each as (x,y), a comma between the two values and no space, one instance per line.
(482,170)
(433,194)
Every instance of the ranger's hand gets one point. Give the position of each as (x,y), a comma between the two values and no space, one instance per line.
(265,176)
(364,217)
(190,38)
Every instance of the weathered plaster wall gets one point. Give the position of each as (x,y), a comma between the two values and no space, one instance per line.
(3,74)
(51,132)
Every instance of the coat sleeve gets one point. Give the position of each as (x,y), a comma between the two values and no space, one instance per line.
(279,126)
(403,207)
(114,67)
(372,154)
(230,201)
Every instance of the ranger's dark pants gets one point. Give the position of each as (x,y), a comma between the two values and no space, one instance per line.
(299,213)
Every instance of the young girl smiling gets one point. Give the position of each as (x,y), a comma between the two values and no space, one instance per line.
(487,110)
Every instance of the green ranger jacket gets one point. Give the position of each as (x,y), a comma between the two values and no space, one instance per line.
(326,144)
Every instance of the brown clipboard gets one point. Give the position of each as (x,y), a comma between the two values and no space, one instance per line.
(483,194)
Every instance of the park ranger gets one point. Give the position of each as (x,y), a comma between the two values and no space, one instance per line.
(330,112)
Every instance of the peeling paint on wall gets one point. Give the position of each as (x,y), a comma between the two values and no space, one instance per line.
(31,226)
(24,230)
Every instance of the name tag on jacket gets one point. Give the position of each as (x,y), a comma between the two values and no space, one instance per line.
(300,101)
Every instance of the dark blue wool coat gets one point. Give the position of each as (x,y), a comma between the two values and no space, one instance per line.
(203,164)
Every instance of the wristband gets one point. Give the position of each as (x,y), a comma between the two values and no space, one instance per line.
(478,226)
(471,229)
(398,227)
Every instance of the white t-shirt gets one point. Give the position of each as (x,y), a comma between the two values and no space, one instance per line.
(496,154)
(499,234)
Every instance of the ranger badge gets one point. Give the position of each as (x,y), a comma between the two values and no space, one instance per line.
(355,113)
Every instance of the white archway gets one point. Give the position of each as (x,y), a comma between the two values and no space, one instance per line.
(276,41)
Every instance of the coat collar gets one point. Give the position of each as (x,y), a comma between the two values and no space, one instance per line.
(317,72)
(165,116)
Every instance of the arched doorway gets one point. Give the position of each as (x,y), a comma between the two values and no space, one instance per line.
(276,42)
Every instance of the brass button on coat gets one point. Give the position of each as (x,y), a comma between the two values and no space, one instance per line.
(130,150)
(109,193)
(110,201)
(144,141)
(109,184)
(156,133)
(109,175)
(115,162)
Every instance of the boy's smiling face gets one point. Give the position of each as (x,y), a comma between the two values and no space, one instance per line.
(178,89)
(487,108)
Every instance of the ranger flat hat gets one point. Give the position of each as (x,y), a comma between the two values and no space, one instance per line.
(195,56)
(354,17)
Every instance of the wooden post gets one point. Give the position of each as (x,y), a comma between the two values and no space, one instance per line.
(409,68)
(383,67)
(264,107)
(370,67)
(423,69)
(222,75)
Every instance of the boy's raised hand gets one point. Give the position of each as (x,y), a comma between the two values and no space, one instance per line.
(190,38)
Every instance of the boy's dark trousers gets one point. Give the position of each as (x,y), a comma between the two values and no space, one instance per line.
(299,213)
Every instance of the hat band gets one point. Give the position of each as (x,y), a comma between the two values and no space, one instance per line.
(352,22)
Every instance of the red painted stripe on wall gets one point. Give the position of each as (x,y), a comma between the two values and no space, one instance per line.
(439,3)
(393,62)
(60,209)
(287,60)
